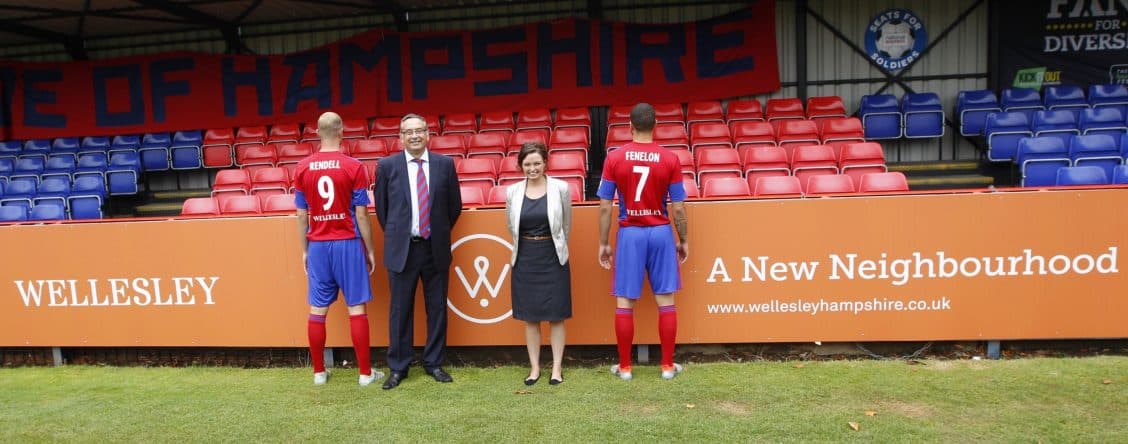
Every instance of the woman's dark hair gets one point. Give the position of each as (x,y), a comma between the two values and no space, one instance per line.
(532,147)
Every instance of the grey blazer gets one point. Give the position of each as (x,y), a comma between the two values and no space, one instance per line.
(559,214)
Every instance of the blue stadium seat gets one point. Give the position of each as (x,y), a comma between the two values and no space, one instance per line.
(39,148)
(13,214)
(123,173)
(1023,100)
(1109,96)
(94,145)
(1039,158)
(1103,120)
(47,212)
(1120,174)
(59,164)
(28,166)
(1082,175)
(1055,123)
(7,165)
(924,115)
(154,151)
(10,149)
(1099,150)
(1003,130)
(52,191)
(65,145)
(973,108)
(1124,147)
(185,150)
(124,143)
(86,196)
(19,192)
(1068,97)
(93,163)
(881,118)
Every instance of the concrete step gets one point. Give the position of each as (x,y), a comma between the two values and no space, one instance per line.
(936,168)
(955,181)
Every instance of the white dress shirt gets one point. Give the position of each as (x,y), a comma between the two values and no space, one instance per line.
(412,171)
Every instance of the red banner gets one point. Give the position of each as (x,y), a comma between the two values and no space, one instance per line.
(563,63)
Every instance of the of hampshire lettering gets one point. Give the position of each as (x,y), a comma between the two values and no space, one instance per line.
(117,292)
(899,271)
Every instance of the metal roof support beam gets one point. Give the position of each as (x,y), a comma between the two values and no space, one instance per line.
(230,30)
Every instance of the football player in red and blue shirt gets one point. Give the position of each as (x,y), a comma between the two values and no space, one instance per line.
(332,199)
(644,174)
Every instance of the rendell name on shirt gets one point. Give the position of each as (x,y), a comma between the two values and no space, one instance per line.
(324,165)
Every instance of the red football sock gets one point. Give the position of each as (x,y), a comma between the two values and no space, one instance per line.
(358,324)
(316,329)
(624,333)
(667,333)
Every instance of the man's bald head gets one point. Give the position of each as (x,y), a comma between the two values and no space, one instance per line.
(329,125)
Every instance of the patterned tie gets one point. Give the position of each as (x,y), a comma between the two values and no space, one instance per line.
(424,197)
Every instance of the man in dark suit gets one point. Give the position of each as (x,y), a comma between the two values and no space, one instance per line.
(417,203)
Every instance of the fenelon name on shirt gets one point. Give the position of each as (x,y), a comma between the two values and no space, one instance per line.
(324,165)
(641,156)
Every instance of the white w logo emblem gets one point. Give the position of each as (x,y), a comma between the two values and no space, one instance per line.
(482,266)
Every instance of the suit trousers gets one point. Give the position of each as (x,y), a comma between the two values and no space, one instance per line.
(401,323)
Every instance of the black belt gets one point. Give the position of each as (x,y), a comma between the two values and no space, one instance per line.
(536,238)
(415,239)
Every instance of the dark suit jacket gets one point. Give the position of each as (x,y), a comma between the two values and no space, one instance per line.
(393,207)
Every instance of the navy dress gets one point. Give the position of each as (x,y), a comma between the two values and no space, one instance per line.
(541,287)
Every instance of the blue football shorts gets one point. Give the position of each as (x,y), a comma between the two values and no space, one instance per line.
(337,265)
(646,249)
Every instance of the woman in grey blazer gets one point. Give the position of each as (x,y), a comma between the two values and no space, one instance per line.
(538,211)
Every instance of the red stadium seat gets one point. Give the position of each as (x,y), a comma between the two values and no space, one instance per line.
(496,195)
(669,113)
(766,160)
(776,186)
(707,111)
(691,190)
(568,139)
(829,184)
(497,121)
(572,118)
(477,169)
(789,108)
(269,181)
(354,129)
(509,171)
(617,136)
(490,145)
(739,110)
(294,152)
(452,145)
(534,118)
(857,159)
(460,123)
(523,136)
(240,206)
(432,124)
(619,115)
(576,190)
(812,160)
(714,163)
(200,206)
(826,106)
(216,147)
(564,165)
(278,204)
(883,182)
(370,167)
(309,133)
(284,132)
(792,131)
(671,135)
(709,135)
(246,155)
(841,129)
(752,132)
(471,195)
(369,149)
(250,135)
(725,187)
(385,127)
(232,180)
(688,167)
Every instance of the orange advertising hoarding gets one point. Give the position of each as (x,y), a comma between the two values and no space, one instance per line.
(1016,265)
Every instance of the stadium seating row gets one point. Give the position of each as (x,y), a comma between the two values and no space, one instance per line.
(803,161)
(1040,158)
(974,106)
(1091,175)
(79,200)
(741,133)
(1004,129)
(793,186)
(917,116)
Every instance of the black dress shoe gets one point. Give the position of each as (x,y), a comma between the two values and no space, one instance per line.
(554,381)
(531,381)
(440,375)
(394,380)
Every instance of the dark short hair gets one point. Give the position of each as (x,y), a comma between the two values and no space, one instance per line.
(642,117)
(530,148)
(413,116)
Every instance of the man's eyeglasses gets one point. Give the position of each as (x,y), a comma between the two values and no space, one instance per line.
(415,132)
